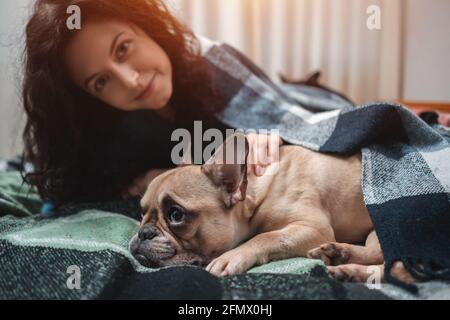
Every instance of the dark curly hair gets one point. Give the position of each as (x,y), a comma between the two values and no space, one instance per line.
(66,127)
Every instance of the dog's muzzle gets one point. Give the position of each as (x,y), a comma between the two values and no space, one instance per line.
(150,248)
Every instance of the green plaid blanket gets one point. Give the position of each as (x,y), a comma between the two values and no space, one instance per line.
(39,256)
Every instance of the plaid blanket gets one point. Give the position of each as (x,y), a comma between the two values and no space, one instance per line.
(38,258)
(406,163)
(36,254)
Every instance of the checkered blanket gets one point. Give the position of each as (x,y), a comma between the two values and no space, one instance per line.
(406,163)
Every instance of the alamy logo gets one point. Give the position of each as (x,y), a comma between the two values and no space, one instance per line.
(374,280)
(74,281)
(182,152)
(374,19)
(74,20)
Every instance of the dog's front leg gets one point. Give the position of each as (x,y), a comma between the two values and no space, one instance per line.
(295,240)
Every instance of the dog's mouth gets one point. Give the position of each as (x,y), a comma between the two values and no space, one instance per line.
(157,254)
(182,259)
(153,260)
(151,253)
(149,263)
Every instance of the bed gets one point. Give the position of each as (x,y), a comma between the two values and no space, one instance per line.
(39,255)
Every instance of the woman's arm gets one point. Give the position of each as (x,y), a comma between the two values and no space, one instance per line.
(139,185)
(263,151)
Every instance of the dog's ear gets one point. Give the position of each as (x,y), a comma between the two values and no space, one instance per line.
(227,168)
(313,80)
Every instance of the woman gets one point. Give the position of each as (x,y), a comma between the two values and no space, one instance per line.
(102,101)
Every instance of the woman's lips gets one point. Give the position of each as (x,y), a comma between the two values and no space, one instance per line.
(148,90)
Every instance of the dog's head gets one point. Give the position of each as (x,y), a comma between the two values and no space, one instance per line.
(188,212)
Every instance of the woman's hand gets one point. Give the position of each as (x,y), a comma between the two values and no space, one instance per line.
(263,151)
(140,185)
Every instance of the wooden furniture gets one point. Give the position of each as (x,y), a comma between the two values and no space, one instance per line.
(419,106)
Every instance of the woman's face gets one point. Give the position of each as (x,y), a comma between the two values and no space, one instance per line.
(119,64)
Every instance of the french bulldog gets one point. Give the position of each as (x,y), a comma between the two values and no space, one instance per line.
(308,204)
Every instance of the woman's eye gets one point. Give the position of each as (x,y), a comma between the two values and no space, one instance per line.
(123,49)
(176,215)
(100,84)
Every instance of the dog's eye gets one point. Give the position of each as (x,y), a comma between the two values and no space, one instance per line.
(176,215)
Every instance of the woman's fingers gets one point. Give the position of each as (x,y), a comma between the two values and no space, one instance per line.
(274,148)
(262,156)
(263,151)
(252,155)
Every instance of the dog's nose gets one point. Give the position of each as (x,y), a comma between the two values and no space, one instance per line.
(147,233)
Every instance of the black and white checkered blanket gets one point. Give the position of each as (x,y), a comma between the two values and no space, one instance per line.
(406,163)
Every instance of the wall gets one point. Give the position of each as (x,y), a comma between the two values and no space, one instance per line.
(427,51)
(12,17)
(298,37)
(315,42)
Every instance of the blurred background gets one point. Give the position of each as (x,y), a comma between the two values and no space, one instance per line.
(407,58)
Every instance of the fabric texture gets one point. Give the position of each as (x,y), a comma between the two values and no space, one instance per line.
(405,184)
(36,254)
(406,167)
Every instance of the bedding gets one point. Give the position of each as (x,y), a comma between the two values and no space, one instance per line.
(36,253)
(406,168)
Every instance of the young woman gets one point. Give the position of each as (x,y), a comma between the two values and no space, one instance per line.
(103,101)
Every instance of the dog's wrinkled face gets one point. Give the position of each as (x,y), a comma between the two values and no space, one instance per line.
(188,214)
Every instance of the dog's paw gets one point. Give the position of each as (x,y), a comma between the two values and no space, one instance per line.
(399,271)
(231,263)
(331,253)
(349,272)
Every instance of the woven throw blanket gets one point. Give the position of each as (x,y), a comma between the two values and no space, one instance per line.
(406,163)
(36,253)
(38,256)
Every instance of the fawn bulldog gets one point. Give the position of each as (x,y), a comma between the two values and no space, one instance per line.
(307,205)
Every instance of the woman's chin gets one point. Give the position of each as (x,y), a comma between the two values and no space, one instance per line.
(160,105)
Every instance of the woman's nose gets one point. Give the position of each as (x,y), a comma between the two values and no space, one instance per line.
(127,76)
